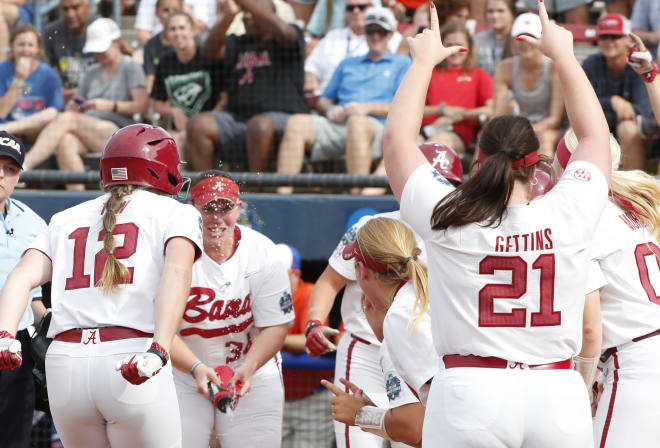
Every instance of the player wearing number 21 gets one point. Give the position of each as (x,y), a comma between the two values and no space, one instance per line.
(238,313)
(120,267)
(506,324)
(624,279)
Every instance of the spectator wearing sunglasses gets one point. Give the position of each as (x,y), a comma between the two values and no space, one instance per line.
(620,90)
(352,108)
(339,44)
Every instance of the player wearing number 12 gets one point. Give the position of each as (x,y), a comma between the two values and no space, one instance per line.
(507,275)
(120,267)
(238,314)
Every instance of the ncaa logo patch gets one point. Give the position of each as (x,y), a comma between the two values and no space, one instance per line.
(348,238)
(286,303)
(439,177)
(582,175)
(393,387)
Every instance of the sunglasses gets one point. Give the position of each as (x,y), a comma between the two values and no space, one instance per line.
(361,7)
(609,37)
(378,30)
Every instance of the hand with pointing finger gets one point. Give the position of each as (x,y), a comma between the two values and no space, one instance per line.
(639,57)
(427,48)
(555,42)
(345,405)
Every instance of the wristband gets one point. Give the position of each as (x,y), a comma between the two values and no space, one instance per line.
(441,108)
(193,367)
(311,324)
(650,76)
(18,83)
(371,417)
(159,351)
(6,334)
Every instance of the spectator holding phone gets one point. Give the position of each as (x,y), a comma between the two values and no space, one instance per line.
(112,91)
(30,93)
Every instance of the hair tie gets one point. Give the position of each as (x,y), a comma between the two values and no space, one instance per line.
(407,259)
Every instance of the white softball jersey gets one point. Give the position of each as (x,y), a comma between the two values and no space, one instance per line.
(516,290)
(398,392)
(628,257)
(74,242)
(351,306)
(229,302)
(411,349)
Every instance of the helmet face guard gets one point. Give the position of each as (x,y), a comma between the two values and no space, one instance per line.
(142,155)
(444,160)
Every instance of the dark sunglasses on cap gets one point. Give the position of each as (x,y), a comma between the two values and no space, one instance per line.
(360,6)
(376,30)
(609,37)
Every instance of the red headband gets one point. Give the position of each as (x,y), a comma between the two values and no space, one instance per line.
(353,250)
(529,159)
(213,188)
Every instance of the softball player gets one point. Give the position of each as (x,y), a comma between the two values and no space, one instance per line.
(120,268)
(358,350)
(506,274)
(626,273)
(238,314)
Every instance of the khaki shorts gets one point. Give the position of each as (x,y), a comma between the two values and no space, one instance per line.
(331,137)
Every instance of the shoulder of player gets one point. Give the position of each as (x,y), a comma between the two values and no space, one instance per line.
(27,213)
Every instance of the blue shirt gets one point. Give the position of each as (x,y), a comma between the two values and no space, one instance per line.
(42,90)
(17,230)
(361,80)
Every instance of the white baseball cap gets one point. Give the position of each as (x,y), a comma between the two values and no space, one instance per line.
(527,23)
(100,35)
(380,16)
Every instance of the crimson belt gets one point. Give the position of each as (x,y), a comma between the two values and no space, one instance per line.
(492,362)
(105,334)
(612,350)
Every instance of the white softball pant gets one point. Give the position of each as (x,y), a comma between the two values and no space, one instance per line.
(629,410)
(256,421)
(94,406)
(493,408)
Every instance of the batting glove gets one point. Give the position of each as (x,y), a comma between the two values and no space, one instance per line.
(11,355)
(139,368)
(317,338)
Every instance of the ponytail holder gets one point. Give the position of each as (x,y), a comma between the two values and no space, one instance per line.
(406,260)
(626,204)
(529,159)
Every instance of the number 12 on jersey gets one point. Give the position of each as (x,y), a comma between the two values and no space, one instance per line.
(545,317)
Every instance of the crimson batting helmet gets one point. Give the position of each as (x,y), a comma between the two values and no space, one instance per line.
(444,160)
(144,155)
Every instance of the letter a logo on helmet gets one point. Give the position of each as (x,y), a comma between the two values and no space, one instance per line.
(143,155)
(444,160)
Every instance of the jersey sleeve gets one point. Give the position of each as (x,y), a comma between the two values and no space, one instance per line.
(595,278)
(270,291)
(411,348)
(423,189)
(42,243)
(581,196)
(185,221)
(398,392)
(346,268)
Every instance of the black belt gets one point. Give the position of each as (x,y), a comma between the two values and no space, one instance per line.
(612,350)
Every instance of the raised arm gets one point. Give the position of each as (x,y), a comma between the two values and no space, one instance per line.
(284,33)
(642,62)
(214,45)
(584,110)
(404,119)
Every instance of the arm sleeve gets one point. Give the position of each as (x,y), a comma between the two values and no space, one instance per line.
(270,291)
(423,189)
(595,277)
(346,268)
(332,89)
(185,222)
(42,243)
(398,392)
(55,98)
(135,75)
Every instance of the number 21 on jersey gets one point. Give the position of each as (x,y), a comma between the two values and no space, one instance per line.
(546,316)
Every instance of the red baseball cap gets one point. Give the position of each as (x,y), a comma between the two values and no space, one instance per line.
(213,188)
(613,25)
(352,250)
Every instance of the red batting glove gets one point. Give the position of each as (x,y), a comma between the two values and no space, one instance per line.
(139,368)
(11,355)
(317,338)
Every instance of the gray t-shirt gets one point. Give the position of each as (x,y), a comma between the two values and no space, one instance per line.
(489,51)
(646,16)
(128,76)
(64,52)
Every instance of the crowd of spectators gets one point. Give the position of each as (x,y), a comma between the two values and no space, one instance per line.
(278,85)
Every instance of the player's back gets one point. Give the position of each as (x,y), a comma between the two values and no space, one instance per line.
(74,242)
(517,288)
(629,259)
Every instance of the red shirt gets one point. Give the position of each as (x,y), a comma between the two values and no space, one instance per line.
(469,90)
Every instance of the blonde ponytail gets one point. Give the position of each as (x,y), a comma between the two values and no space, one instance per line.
(114,272)
(643,192)
(392,243)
